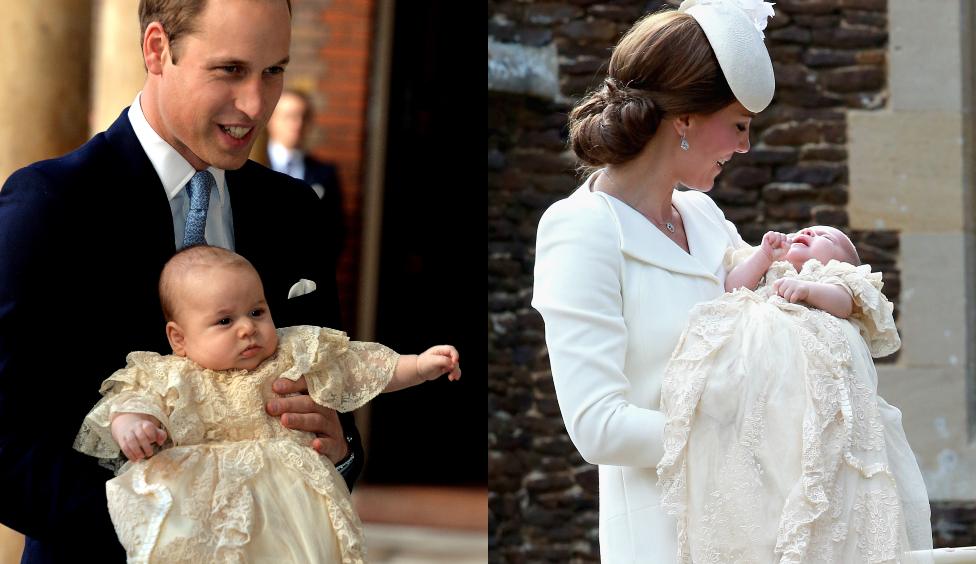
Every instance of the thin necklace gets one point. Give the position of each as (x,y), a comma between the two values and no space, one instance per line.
(667,224)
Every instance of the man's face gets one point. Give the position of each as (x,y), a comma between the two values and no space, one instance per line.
(229,74)
(287,125)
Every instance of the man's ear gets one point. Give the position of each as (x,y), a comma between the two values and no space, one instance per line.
(177,340)
(155,48)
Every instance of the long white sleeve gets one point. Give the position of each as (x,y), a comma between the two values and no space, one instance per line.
(579,292)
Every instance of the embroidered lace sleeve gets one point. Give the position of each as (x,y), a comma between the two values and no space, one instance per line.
(736,256)
(340,373)
(872,310)
(140,387)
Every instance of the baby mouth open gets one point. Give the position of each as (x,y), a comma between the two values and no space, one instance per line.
(235,131)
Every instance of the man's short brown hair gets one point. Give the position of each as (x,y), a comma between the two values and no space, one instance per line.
(176,16)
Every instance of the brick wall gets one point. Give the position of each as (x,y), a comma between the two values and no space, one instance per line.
(829,56)
(330,59)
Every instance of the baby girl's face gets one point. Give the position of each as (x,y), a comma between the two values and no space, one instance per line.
(225,318)
(819,242)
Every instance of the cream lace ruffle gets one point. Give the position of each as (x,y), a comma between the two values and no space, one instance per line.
(219,433)
(775,447)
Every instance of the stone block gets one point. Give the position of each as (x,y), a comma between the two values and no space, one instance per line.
(853,79)
(791,34)
(776,192)
(793,76)
(623,13)
(820,57)
(590,30)
(817,174)
(747,176)
(829,215)
(549,13)
(795,211)
(809,6)
(823,152)
(849,37)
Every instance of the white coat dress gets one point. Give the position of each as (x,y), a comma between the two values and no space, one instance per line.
(615,294)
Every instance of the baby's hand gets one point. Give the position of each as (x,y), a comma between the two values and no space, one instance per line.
(438,360)
(136,434)
(774,245)
(791,289)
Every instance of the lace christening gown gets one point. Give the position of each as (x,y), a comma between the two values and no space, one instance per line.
(777,446)
(233,484)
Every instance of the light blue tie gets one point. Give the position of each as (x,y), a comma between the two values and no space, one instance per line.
(198,188)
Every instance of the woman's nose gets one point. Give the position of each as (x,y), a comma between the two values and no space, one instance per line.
(743,146)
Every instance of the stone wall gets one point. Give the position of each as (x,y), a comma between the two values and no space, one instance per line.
(829,56)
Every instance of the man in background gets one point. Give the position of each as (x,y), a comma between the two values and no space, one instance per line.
(287,130)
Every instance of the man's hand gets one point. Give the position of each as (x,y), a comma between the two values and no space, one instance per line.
(136,433)
(301,413)
(791,289)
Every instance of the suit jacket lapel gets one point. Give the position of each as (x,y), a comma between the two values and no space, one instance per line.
(139,187)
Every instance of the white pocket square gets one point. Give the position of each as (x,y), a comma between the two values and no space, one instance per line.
(301,288)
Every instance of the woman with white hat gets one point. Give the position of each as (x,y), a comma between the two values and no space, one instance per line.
(621,261)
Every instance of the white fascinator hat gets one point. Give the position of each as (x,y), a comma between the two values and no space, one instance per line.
(734,29)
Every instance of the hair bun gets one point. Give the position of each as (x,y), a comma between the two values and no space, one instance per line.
(613,123)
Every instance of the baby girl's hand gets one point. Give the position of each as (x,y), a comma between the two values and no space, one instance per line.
(136,435)
(791,289)
(774,245)
(435,361)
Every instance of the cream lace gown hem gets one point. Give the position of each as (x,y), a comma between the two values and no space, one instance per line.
(232,484)
(777,447)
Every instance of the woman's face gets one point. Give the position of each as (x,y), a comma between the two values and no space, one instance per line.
(712,140)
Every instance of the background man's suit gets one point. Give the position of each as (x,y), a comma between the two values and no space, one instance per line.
(83,239)
(324,180)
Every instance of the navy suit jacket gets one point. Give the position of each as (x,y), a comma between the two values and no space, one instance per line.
(83,239)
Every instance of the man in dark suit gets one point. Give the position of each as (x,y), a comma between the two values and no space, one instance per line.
(287,131)
(84,237)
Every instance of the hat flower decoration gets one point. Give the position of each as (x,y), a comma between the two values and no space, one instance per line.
(757,11)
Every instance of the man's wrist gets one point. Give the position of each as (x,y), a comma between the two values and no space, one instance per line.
(346,462)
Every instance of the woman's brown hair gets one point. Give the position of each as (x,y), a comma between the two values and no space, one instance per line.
(663,66)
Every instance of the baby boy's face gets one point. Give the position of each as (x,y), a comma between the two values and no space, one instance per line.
(225,318)
(819,242)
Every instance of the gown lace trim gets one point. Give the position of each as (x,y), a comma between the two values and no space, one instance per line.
(842,441)
(219,433)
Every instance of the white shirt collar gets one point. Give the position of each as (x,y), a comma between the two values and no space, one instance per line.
(280,156)
(172,169)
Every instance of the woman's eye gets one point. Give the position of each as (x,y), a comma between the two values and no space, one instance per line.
(740,127)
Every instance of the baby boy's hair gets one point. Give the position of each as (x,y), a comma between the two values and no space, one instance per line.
(187,259)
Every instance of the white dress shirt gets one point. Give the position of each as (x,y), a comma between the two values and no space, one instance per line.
(174,173)
(288,161)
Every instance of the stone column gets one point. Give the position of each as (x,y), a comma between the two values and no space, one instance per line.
(44,57)
(118,72)
(911,170)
